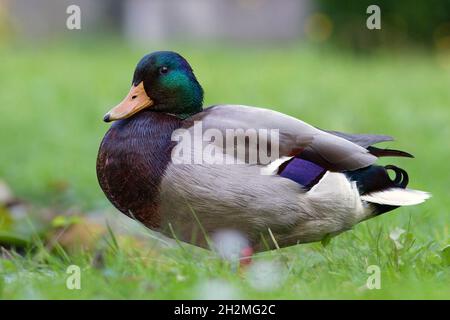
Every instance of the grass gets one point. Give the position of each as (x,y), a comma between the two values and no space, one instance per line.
(52,99)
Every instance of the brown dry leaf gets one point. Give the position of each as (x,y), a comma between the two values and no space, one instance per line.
(88,234)
(83,235)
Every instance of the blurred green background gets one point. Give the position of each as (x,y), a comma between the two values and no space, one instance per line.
(319,63)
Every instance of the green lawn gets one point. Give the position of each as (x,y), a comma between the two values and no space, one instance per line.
(52,100)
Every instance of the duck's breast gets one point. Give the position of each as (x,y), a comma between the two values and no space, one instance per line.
(131,162)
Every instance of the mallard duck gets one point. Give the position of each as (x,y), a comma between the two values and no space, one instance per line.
(313,183)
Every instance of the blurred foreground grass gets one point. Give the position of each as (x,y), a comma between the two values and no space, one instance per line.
(52,100)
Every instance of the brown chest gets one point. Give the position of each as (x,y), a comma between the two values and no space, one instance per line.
(131,162)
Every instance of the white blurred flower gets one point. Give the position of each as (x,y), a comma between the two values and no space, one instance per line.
(216,290)
(395,237)
(229,244)
(266,275)
(180,278)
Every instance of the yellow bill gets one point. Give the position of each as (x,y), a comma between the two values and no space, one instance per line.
(136,100)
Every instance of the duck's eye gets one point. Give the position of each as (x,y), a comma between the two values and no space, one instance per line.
(163,70)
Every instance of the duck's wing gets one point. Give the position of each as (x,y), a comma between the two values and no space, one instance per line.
(363,140)
(368,140)
(331,151)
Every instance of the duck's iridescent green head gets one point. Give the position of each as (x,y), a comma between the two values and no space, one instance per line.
(163,81)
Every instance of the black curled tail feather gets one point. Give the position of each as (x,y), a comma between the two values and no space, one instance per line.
(376,178)
(401,179)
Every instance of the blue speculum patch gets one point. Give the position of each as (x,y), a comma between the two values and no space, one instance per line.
(303,172)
